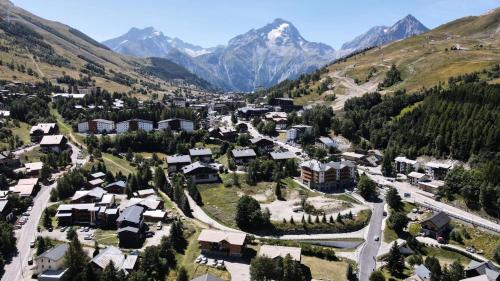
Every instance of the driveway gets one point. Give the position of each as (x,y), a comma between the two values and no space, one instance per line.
(239,271)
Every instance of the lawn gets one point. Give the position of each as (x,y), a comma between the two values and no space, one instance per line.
(106,237)
(479,239)
(292,185)
(326,270)
(23,132)
(115,164)
(33,155)
(220,200)
(446,256)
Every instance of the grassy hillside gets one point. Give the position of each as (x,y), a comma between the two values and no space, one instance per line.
(423,61)
(32,48)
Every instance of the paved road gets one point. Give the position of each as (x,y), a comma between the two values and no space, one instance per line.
(424,198)
(15,270)
(367,255)
(18,268)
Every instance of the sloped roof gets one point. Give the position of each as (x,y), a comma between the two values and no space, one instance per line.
(281,155)
(132,214)
(52,140)
(200,151)
(422,272)
(178,159)
(316,165)
(272,252)
(56,253)
(440,219)
(44,127)
(243,152)
(206,277)
(197,165)
(216,236)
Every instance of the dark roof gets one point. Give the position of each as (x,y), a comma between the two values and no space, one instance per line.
(132,214)
(206,277)
(481,268)
(440,219)
(56,253)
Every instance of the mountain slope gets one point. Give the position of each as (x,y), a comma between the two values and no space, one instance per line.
(379,35)
(259,58)
(47,49)
(456,48)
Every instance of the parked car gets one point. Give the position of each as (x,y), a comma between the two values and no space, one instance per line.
(30,261)
(221,264)
(376,238)
(198,259)
(32,244)
(215,262)
(204,260)
(63,229)
(87,237)
(159,226)
(86,229)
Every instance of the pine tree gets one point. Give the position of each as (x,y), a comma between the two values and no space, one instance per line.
(75,259)
(96,249)
(339,218)
(331,219)
(41,247)
(316,220)
(303,220)
(395,261)
(323,219)
(182,275)
(291,220)
(47,221)
(277,191)
(309,220)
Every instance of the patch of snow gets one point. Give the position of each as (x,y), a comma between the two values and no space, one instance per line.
(277,32)
(123,42)
(193,53)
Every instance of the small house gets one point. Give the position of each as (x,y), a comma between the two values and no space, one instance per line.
(176,162)
(54,143)
(200,172)
(50,264)
(243,156)
(222,242)
(436,225)
(201,154)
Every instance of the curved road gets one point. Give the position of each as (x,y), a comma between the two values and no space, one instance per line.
(15,270)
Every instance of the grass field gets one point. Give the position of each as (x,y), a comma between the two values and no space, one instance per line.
(326,270)
(33,155)
(479,239)
(23,132)
(106,237)
(115,164)
(445,256)
(220,201)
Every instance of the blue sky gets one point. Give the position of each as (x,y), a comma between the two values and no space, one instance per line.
(213,22)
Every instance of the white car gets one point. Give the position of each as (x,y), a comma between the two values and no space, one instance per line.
(376,238)
(220,264)
(87,237)
(199,258)
(204,260)
(215,262)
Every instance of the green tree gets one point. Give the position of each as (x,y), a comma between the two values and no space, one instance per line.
(277,191)
(41,247)
(377,276)
(398,221)
(263,268)
(367,187)
(47,221)
(182,274)
(159,178)
(75,260)
(71,233)
(393,199)
(96,249)
(249,214)
(395,261)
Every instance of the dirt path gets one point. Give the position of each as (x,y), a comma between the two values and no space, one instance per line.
(352,89)
(36,64)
